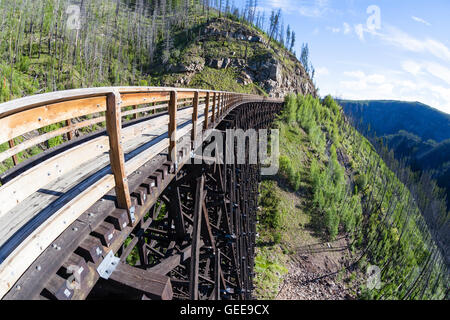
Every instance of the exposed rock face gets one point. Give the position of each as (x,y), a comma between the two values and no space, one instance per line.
(276,71)
(195,65)
(268,71)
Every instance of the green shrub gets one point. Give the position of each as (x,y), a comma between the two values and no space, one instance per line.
(361,181)
(270,202)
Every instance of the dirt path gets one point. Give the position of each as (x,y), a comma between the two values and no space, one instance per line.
(317,272)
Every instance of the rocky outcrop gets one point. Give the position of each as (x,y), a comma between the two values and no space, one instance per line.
(239,33)
(195,64)
(275,70)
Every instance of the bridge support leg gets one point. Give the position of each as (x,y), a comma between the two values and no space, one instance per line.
(195,253)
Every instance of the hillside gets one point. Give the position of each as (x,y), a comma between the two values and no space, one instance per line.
(228,54)
(336,210)
(142,43)
(390,117)
(137,44)
(417,133)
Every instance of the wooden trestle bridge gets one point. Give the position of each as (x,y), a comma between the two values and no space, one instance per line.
(118,210)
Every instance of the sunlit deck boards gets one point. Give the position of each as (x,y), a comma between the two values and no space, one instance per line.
(56,194)
(42,197)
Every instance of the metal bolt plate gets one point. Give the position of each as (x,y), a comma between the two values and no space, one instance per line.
(108,265)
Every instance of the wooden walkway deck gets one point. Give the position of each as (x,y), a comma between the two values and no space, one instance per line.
(43,196)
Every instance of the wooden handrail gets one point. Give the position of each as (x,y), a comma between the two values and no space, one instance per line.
(27,114)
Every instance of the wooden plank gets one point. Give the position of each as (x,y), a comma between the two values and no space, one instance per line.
(146,109)
(20,123)
(91,249)
(58,289)
(195,255)
(213,117)
(205,123)
(185,95)
(135,99)
(117,158)
(106,232)
(37,240)
(18,261)
(49,262)
(119,218)
(194,119)
(18,189)
(217,273)
(14,156)
(172,133)
(47,136)
(171,262)
(69,133)
(176,214)
(153,285)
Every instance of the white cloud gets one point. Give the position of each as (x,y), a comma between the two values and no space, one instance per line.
(421,20)
(376,79)
(412,67)
(405,41)
(355,74)
(347,28)
(322,71)
(334,30)
(307,8)
(359,29)
(438,71)
(427,68)
(393,85)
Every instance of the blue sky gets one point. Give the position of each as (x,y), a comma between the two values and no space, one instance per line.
(406,56)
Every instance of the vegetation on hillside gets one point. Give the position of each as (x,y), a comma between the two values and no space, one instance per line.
(418,134)
(54,45)
(349,191)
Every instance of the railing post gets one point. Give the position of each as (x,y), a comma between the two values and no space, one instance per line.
(206,111)
(224,102)
(220,104)
(14,157)
(194,120)
(173,127)
(213,118)
(116,155)
(70,133)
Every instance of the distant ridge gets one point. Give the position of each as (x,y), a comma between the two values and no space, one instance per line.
(415,132)
(390,116)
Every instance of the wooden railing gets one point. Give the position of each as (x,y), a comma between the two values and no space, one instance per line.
(75,110)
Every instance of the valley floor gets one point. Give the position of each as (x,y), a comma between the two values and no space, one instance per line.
(314,269)
(318,272)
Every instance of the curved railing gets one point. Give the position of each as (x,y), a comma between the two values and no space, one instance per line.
(118,115)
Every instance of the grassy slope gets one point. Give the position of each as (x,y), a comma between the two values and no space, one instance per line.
(31,76)
(299,206)
(200,49)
